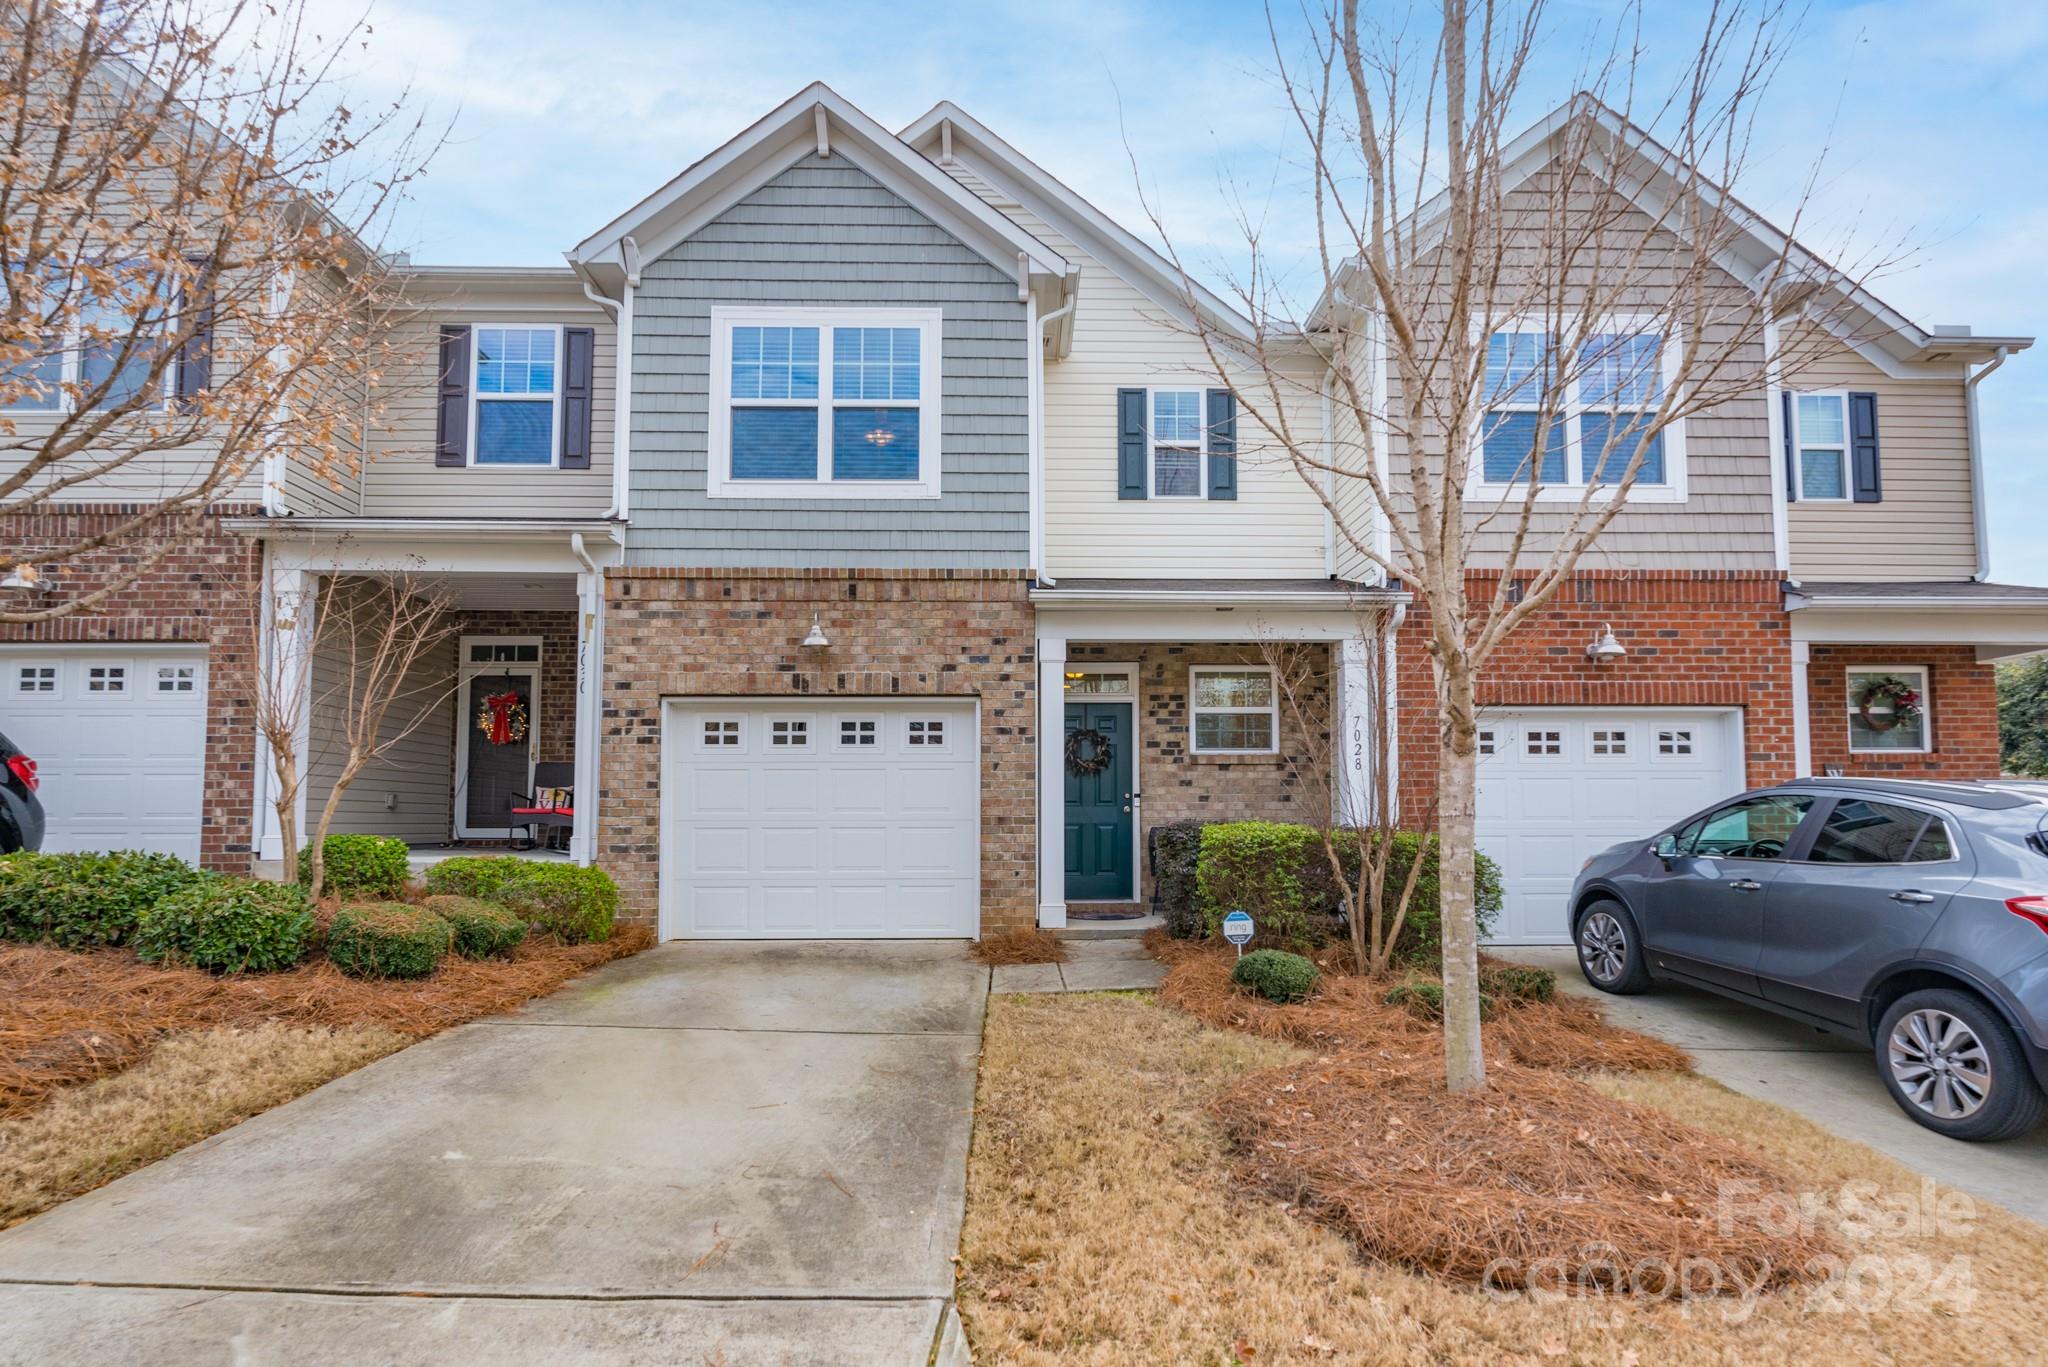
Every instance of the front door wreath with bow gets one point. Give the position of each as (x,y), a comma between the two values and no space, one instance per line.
(1891,692)
(502,718)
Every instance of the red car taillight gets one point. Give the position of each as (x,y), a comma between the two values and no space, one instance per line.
(2033,909)
(24,769)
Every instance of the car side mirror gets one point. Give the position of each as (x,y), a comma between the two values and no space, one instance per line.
(1666,847)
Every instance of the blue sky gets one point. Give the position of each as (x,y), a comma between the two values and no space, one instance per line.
(1934,117)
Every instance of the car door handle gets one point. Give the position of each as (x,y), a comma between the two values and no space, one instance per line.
(1911,896)
(1745,885)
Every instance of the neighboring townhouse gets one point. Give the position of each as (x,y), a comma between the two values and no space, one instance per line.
(854,482)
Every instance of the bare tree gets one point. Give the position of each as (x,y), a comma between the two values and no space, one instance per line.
(1511,333)
(188,207)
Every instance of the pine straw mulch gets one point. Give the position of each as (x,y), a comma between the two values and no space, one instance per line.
(68,1016)
(1031,945)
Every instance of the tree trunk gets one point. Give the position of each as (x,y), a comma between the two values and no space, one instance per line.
(1457,785)
(285,766)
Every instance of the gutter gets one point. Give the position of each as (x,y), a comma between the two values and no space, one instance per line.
(1105,598)
(1977,462)
(485,527)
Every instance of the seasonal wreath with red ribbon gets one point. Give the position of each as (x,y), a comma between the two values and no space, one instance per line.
(1890,691)
(502,718)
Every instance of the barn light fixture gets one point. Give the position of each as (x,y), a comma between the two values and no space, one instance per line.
(1604,647)
(23,578)
(815,638)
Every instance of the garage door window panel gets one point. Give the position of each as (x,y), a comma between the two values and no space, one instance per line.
(789,733)
(721,733)
(1755,828)
(38,679)
(106,679)
(926,733)
(1608,742)
(859,733)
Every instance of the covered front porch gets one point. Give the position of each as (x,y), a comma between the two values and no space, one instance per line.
(489,744)
(1167,702)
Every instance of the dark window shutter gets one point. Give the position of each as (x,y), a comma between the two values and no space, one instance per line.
(1130,443)
(195,356)
(1791,450)
(451,420)
(579,349)
(1866,481)
(1222,444)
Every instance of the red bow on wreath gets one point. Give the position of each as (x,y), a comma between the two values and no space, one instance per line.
(503,719)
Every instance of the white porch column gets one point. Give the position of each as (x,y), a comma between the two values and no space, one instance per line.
(1356,697)
(1052,787)
(589,711)
(290,598)
(1802,721)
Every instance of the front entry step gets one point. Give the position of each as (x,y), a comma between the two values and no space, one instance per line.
(1129,929)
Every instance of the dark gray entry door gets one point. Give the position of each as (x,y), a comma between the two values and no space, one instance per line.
(497,773)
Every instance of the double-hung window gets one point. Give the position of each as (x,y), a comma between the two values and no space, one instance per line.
(1821,437)
(1573,424)
(1177,434)
(88,355)
(831,403)
(518,385)
(1234,710)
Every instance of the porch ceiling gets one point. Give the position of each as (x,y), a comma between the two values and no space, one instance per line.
(512,592)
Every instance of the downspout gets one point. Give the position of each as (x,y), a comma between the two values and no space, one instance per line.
(1977,465)
(1774,430)
(1035,421)
(621,311)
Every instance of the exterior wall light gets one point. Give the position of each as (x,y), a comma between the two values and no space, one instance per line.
(815,638)
(1604,647)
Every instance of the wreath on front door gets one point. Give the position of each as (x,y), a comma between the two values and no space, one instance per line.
(502,719)
(1888,690)
(1085,763)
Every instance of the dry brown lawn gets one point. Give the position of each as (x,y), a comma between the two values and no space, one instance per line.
(191,1086)
(1031,945)
(1104,1226)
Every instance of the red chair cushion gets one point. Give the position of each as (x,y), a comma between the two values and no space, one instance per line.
(543,811)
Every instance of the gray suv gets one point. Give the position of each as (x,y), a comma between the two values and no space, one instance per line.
(1911,915)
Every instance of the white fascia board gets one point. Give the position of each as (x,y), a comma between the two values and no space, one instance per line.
(405,528)
(1108,241)
(786,135)
(1188,623)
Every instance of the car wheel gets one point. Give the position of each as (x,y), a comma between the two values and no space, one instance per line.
(1953,1065)
(1610,949)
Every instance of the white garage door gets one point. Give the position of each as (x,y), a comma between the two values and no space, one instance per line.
(852,819)
(119,741)
(1556,785)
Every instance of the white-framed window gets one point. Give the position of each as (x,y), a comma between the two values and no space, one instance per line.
(1820,436)
(502,650)
(88,355)
(1610,392)
(106,679)
(1233,710)
(177,678)
(1674,741)
(926,733)
(721,733)
(40,679)
(824,403)
(861,732)
(515,394)
(789,733)
(1886,731)
(1117,682)
(1608,742)
(1488,740)
(1543,744)
(1178,443)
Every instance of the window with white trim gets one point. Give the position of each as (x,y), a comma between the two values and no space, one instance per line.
(825,403)
(1595,424)
(177,678)
(36,679)
(927,732)
(106,679)
(516,385)
(1890,709)
(789,733)
(857,731)
(88,353)
(1178,432)
(1821,438)
(1233,710)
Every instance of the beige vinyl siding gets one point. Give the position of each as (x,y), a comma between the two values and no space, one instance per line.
(1122,339)
(1350,448)
(401,479)
(1924,528)
(419,771)
(336,489)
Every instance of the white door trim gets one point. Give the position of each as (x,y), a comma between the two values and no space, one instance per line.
(464,672)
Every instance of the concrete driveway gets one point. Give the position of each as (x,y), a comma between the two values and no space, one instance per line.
(733,1153)
(1830,1080)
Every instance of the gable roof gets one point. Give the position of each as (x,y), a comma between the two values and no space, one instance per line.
(1648,175)
(816,120)
(1101,236)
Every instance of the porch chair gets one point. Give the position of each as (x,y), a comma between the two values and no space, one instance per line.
(552,804)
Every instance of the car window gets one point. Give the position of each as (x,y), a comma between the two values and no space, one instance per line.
(1934,844)
(1754,828)
(1862,832)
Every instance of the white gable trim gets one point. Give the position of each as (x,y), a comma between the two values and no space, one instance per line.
(816,117)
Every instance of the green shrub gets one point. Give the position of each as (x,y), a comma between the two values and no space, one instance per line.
(228,925)
(358,865)
(1426,1000)
(387,940)
(482,929)
(80,901)
(1274,871)
(1421,940)
(480,876)
(575,905)
(1275,975)
(1517,982)
(1176,850)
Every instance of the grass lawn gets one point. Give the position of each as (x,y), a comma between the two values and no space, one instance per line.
(1104,1225)
(107,1063)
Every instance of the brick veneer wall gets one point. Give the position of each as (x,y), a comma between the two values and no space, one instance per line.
(205,592)
(1179,785)
(908,633)
(1694,639)
(557,630)
(1962,710)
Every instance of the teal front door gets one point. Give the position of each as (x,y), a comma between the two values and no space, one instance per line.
(1099,864)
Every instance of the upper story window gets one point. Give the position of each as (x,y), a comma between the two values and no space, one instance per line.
(1177,432)
(824,403)
(88,355)
(1831,447)
(518,384)
(1577,424)
(1176,442)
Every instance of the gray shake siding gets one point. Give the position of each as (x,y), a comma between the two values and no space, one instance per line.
(824,232)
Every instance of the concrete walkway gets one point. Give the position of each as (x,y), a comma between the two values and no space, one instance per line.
(1830,1080)
(1107,965)
(737,1153)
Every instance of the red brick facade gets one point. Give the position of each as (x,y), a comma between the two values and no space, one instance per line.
(1962,712)
(721,633)
(202,593)
(1694,639)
